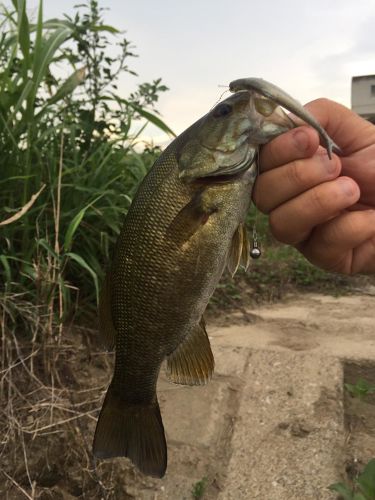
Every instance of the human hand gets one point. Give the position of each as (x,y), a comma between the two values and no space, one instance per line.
(325,208)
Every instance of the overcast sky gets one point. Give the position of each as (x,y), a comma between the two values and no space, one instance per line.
(309,48)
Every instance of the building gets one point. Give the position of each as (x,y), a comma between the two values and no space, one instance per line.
(363,96)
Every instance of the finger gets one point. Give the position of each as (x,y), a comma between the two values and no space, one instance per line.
(360,166)
(301,142)
(293,221)
(363,260)
(361,206)
(349,130)
(345,244)
(279,185)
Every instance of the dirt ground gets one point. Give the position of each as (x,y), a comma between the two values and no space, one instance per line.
(275,421)
(324,329)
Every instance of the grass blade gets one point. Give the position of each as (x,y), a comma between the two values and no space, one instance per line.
(24,95)
(23,210)
(154,120)
(74,224)
(47,52)
(38,37)
(72,228)
(7,268)
(366,480)
(81,262)
(24,32)
(342,490)
(44,243)
(67,87)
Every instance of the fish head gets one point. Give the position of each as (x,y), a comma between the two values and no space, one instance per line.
(279,96)
(225,141)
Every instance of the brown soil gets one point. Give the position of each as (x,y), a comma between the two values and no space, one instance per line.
(46,451)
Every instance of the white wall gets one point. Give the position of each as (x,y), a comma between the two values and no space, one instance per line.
(363,95)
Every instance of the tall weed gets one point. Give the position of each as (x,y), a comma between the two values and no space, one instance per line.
(69,167)
(69,170)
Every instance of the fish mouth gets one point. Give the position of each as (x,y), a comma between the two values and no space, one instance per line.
(220,179)
(242,158)
(228,172)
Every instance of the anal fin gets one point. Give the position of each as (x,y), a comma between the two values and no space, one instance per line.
(192,363)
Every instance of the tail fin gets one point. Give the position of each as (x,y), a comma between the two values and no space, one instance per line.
(133,431)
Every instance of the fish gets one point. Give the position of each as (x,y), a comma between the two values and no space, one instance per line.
(279,96)
(184,226)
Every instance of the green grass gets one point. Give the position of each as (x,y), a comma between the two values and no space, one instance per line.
(199,488)
(360,389)
(69,163)
(364,486)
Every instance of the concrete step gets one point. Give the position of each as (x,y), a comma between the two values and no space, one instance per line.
(288,439)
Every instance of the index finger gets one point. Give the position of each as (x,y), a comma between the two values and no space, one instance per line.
(298,143)
(352,132)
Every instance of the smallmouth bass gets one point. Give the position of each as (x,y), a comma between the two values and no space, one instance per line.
(185,224)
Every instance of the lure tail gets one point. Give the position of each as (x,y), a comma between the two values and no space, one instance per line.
(133,431)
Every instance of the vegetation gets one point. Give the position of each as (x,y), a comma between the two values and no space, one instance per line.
(69,169)
(364,488)
(360,389)
(199,488)
(362,485)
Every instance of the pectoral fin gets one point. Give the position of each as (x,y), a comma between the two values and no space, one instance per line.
(106,329)
(239,252)
(192,363)
(245,254)
(190,219)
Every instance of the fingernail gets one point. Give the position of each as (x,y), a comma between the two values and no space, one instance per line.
(301,139)
(329,164)
(347,186)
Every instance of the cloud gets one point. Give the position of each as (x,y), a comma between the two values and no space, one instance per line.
(351,55)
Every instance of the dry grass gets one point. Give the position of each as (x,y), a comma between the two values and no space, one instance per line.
(51,393)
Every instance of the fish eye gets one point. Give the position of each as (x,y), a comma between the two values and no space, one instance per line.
(222,109)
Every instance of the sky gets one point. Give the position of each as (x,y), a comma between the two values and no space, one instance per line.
(309,48)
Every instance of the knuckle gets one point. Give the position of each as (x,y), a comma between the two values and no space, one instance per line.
(318,200)
(297,174)
(321,102)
